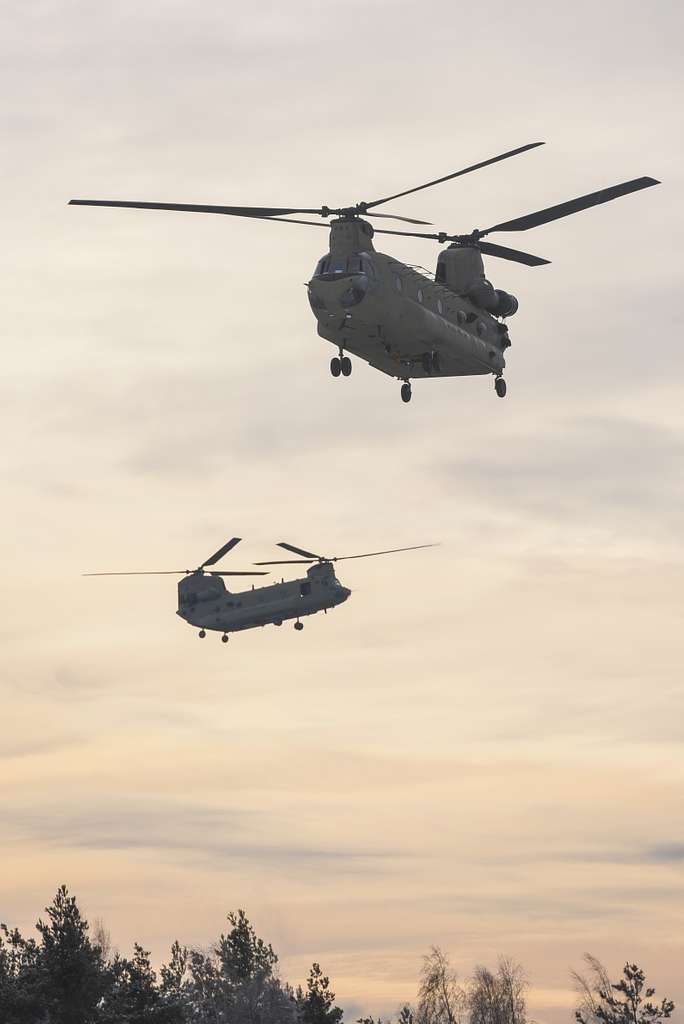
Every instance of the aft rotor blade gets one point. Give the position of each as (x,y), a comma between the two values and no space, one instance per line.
(221,552)
(390,551)
(233,211)
(605,195)
(298,551)
(456,174)
(514,255)
(489,248)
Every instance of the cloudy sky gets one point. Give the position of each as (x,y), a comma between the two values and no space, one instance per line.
(483,748)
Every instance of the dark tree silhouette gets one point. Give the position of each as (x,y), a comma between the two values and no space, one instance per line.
(317,1006)
(627,1001)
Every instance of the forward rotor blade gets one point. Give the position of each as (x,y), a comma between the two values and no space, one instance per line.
(395,216)
(390,551)
(290,561)
(233,211)
(456,174)
(605,195)
(161,572)
(221,572)
(213,559)
(298,551)
(514,255)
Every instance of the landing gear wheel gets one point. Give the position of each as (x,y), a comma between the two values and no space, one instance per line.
(406,392)
(500,387)
(298,625)
(202,634)
(436,365)
(224,638)
(335,366)
(346,366)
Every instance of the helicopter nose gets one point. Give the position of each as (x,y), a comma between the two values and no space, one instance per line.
(341,291)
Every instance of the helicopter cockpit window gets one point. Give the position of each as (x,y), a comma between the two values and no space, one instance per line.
(440,273)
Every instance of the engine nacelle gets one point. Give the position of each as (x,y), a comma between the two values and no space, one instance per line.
(507,305)
(493,300)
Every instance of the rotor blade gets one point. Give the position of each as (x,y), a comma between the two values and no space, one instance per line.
(220,572)
(221,552)
(514,255)
(290,561)
(456,174)
(162,572)
(489,248)
(298,551)
(395,216)
(391,551)
(234,211)
(533,220)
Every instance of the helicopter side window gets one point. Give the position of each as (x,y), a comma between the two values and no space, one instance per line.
(304,588)
(397,282)
(420,295)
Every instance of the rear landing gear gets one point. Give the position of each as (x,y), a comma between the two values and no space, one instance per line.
(406,392)
(335,366)
(202,633)
(346,366)
(500,387)
(298,625)
(224,638)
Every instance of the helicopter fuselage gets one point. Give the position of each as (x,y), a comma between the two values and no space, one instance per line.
(204,600)
(396,318)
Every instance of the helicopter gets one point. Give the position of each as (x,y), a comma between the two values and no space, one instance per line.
(397,317)
(205,601)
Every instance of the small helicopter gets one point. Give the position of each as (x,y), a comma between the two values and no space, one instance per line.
(395,316)
(205,601)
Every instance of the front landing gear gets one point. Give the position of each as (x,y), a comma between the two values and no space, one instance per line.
(224,638)
(341,365)
(500,387)
(202,633)
(298,625)
(406,391)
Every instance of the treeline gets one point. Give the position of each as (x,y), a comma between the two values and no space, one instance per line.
(71,975)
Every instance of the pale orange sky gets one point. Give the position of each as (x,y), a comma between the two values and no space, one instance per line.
(483,748)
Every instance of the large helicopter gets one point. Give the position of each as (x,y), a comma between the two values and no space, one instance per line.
(205,601)
(398,317)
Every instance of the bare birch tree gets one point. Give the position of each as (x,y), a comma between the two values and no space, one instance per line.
(441,998)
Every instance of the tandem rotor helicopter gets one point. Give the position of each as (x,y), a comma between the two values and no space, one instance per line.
(397,317)
(204,600)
